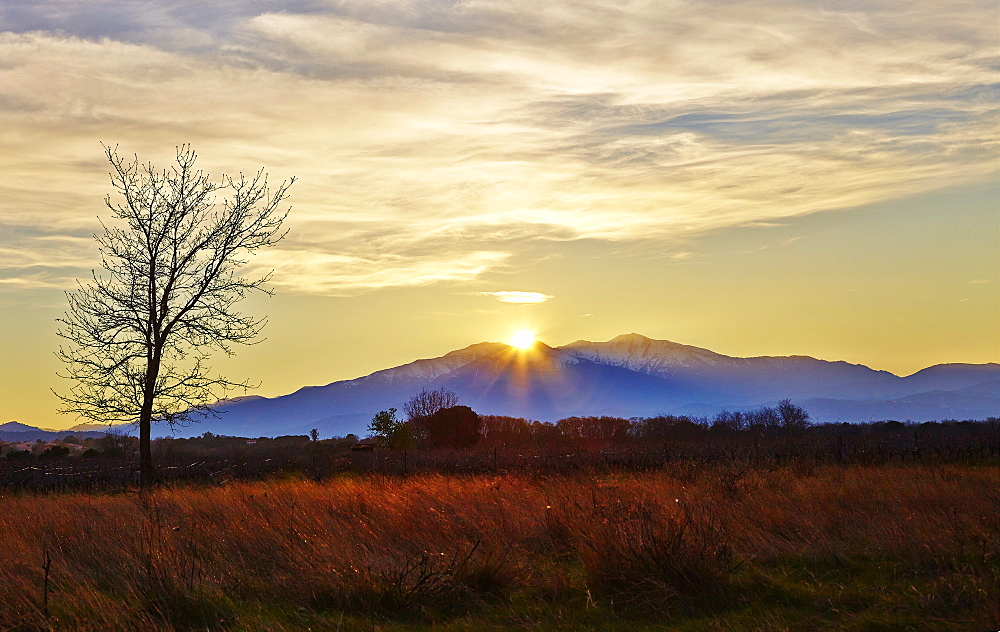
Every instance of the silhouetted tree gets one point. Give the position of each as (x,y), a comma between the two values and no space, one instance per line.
(421,406)
(546,435)
(398,435)
(763,418)
(792,416)
(593,432)
(141,334)
(729,420)
(665,428)
(426,403)
(384,423)
(115,443)
(501,431)
(453,427)
(55,452)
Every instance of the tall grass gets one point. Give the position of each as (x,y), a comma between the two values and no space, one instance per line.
(710,542)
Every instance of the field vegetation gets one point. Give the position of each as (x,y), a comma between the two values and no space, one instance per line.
(687,545)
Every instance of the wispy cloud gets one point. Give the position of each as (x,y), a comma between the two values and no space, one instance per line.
(518,296)
(339,274)
(434,140)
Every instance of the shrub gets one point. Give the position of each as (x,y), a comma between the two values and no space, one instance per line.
(55,452)
(455,427)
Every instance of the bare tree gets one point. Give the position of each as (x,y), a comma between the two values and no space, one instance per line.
(763,417)
(792,416)
(142,332)
(426,403)
(421,406)
(732,420)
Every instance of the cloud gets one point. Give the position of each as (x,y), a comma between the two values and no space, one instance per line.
(765,225)
(434,141)
(518,297)
(339,275)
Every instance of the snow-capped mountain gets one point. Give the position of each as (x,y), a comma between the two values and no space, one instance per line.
(629,375)
(742,379)
(645,355)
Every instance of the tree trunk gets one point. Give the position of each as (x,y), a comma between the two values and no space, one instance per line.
(145,452)
(146,420)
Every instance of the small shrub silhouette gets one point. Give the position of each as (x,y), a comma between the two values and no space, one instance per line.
(456,427)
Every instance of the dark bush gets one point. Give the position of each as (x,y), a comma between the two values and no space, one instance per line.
(55,452)
(455,427)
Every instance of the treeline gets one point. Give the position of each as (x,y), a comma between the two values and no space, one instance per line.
(602,432)
(649,444)
(456,439)
(596,433)
(435,421)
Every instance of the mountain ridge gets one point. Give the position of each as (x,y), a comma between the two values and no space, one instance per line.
(629,375)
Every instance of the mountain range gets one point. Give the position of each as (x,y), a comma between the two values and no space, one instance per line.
(630,375)
(16,432)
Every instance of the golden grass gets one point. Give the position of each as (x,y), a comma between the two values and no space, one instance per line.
(429,548)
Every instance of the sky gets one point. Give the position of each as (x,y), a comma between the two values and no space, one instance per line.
(755,177)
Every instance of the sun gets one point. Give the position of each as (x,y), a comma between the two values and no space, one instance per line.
(523,339)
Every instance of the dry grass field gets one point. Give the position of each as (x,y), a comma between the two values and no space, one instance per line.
(686,547)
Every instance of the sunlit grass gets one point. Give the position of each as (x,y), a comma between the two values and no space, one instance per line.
(835,548)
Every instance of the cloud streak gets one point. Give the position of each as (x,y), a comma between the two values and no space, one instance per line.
(337,275)
(434,141)
(514,296)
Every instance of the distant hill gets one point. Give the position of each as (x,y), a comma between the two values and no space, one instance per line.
(14,426)
(16,432)
(630,375)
